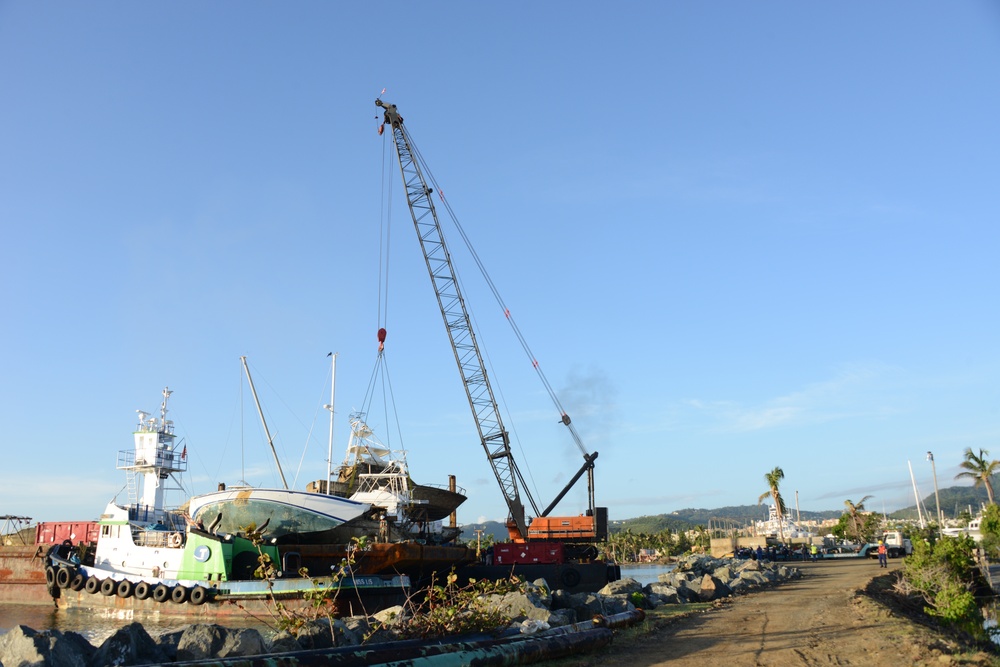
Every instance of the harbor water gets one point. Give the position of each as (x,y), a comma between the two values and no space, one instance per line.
(645,573)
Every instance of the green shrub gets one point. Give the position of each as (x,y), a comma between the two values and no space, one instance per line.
(945,575)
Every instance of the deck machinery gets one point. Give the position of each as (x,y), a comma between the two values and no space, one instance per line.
(563,538)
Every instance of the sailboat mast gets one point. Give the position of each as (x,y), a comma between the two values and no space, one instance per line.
(260,412)
(329,456)
(916,495)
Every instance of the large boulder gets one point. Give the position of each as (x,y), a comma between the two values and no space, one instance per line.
(283,642)
(23,647)
(690,591)
(562,617)
(584,606)
(565,600)
(621,587)
(616,604)
(663,593)
(202,641)
(390,616)
(519,606)
(542,590)
(753,579)
(713,588)
(244,642)
(327,634)
(130,645)
(168,642)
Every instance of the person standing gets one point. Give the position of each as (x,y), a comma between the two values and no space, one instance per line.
(882,554)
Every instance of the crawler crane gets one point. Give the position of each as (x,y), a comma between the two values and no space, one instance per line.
(542,539)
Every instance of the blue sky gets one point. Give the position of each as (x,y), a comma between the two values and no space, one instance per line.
(735,235)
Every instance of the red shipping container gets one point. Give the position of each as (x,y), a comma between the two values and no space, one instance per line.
(510,553)
(55,532)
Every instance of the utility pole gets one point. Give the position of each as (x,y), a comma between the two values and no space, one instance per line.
(479,540)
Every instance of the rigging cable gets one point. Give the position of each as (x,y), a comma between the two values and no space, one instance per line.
(379,376)
(564,416)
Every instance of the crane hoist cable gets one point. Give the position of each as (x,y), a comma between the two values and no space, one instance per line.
(379,380)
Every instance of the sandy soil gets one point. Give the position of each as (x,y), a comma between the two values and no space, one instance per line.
(820,619)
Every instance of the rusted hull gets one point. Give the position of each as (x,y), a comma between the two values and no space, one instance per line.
(437,503)
(418,561)
(22,576)
(347,602)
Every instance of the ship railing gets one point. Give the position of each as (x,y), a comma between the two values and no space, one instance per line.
(148,516)
(158,538)
(168,460)
(445,487)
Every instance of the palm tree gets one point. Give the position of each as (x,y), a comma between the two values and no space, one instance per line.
(979,469)
(773,479)
(854,509)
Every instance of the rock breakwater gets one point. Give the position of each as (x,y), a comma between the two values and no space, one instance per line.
(534,609)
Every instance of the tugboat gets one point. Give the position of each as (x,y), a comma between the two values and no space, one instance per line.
(147,556)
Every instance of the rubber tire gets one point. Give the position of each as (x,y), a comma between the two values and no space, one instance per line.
(124,589)
(79,579)
(63,577)
(92,585)
(161,593)
(179,595)
(108,587)
(569,577)
(50,576)
(198,595)
(142,590)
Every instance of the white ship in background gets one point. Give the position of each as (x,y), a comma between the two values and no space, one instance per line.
(785,527)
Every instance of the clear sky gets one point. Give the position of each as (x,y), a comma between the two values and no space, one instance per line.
(735,235)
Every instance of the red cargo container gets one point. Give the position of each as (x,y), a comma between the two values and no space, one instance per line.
(55,532)
(509,553)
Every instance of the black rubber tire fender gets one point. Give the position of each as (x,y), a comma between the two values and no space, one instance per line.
(125,589)
(50,576)
(179,594)
(92,585)
(142,590)
(569,577)
(198,595)
(108,587)
(79,580)
(63,577)
(161,593)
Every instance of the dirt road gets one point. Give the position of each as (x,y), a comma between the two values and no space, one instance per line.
(816,620)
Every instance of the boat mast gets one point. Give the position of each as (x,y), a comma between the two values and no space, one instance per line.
(270,441)
(916,496)
(329,455)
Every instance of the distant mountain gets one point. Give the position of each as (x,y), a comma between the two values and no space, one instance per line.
(494,528)
(687,519)
(954,499)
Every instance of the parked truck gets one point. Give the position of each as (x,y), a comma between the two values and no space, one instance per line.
(896,545)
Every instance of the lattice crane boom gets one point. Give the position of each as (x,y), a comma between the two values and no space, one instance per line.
(494,437)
